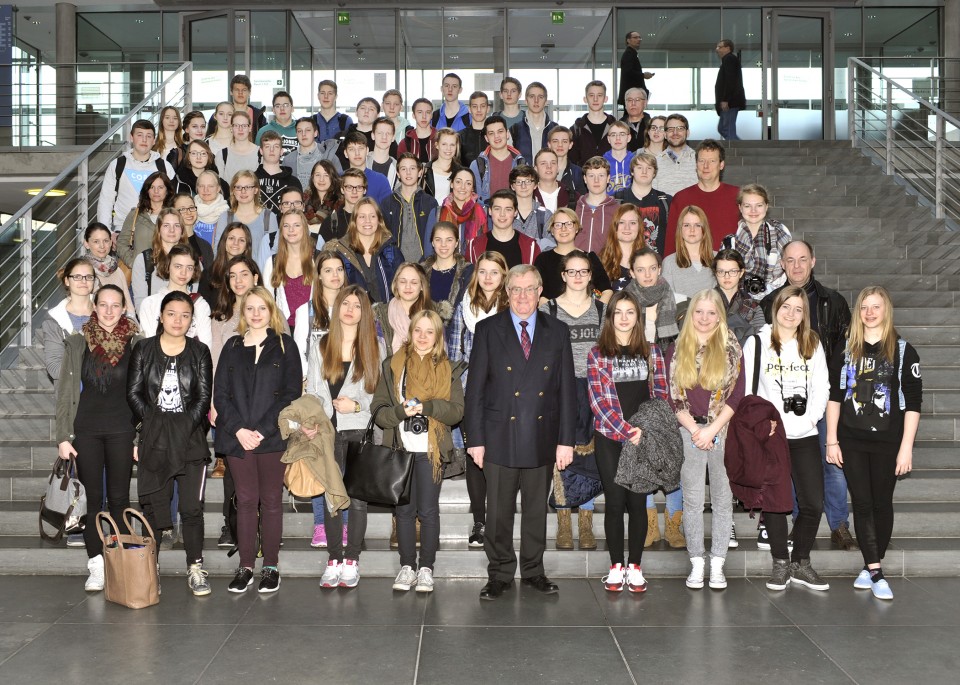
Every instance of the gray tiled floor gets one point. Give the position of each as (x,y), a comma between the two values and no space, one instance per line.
(51,631)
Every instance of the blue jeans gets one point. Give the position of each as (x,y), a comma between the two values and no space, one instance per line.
(674,501)
(835,506)
(727,127)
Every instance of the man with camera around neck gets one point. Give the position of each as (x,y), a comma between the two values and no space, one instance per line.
(830,318)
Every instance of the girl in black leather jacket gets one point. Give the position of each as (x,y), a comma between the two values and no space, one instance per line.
(168,389)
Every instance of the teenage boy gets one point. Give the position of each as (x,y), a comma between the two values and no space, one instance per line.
(635,117)
(353,186)
(273,177)
(307,154)
(368,109)
(409,212)
(491,169)
(421,140)
(510,90)
(282,123)
(569,175)
(678,162)
(515,247)
(393,110)
(718,200)
(471,138)
(530,133)
(355,149)
(549,193)
(125,175)
(240,96)
(532,219)
(618,157)
(590,130)
(382,158)
(595,209)
(452,113)
(330,122)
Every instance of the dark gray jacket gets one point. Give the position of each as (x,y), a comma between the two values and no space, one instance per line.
(654,463)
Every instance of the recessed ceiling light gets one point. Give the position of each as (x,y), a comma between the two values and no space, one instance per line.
(138,21)
(452,35)
(55,192)
(749,35)
(454,56)
(451,18)
(543,57)
(551,35)
(651,35)
(847,34)
(353,35)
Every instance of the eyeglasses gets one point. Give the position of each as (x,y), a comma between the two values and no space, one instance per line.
(185,210)
(354,189)
(243,189)
(517,292)
(78,278)
(636,100)
(524,182)
(198,153)
(728,274)
(578,273)
(675,129)
(655,129)
(563,224)
(291,203)
(282,105)
(618,134)
(241,126)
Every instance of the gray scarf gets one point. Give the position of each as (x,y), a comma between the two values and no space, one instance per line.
(660,294)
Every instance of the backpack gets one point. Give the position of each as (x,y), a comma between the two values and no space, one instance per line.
(122,164)
(223,153)
(341,120)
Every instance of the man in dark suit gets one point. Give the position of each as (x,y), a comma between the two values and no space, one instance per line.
(632,74)
(522,417)
(728,90)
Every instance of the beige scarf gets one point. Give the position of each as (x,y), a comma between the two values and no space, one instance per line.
(425,381)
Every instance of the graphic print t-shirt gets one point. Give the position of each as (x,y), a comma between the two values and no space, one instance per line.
(631,376)
(169,399)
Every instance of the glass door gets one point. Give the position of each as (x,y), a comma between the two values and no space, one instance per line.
(218,44)
(800,93)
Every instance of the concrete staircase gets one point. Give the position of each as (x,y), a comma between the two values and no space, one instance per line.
(866,230)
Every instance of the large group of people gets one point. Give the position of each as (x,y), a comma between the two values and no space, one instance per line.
(484,285)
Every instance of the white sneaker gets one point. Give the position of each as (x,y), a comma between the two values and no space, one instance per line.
(863,580)
(405,579)
(695,579)
(718,581)
(881,589)
(613,581)
(734,543)
(331,574)
(424,580)
(95,579)
(350,573)
(635,580)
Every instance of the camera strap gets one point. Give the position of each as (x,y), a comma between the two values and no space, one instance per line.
(806,379)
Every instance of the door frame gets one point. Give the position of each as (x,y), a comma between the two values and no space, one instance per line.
(187,18)
(771,42)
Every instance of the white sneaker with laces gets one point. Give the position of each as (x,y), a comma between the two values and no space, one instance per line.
(695,579)
(406,579)
(718,581)
(635,580)
(424,580)
(613,581)
(331,574)
(733,543)
(197,581)
(350,573)
(95,579)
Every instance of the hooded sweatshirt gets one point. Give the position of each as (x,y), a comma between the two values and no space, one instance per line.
(116,200)
(594,222)
(272,185)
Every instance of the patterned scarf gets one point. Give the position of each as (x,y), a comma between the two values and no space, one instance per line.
(660,294)
(106,347)
(470,218)
(102,267)
(719,397)
(425,381)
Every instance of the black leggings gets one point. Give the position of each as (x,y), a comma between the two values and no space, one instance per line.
(806,468)
(113,452)
(871,477)
(618,501)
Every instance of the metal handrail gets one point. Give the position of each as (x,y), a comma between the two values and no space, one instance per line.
(907,146)
(79,171)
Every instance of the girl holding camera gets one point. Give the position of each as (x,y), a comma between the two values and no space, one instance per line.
(793,377)
(744,316)
(421,397)
(760,241)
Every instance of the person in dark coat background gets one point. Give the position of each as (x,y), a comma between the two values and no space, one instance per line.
(521,421)
(730,96)
(632,74)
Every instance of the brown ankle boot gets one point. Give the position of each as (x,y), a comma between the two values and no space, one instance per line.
(672,531)
(585,525)
(653,528)
(564,529)
(219,468)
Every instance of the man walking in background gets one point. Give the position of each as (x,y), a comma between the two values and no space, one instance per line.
(632,74)
(729,90)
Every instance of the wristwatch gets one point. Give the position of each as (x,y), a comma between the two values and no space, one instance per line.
(357,410)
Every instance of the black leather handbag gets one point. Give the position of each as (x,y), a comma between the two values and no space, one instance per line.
(376,473)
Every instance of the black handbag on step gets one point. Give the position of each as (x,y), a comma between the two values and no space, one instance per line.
(376,473)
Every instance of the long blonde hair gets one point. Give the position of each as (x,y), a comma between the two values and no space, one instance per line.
(284,252)
(276,319)
(709,375)
(888,341)
(807,338)
(382,236)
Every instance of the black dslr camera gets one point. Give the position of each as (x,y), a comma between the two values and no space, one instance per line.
(796,404)
(755,285)
(418,424)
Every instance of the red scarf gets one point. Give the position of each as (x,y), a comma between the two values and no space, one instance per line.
(471,218)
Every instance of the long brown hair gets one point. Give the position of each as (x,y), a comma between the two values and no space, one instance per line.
(479,301)
(321,317)
(611,256)
(220,266)
(855,333)
(807,338)
(607,342)
(366,352)
(226,299)
(382,235)
(706,242)
(161,143)
(161,262)
(423,300)
(304,253)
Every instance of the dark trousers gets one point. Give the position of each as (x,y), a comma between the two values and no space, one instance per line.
(776,524)
(425,505)
(95,454)
(191,483)
(333,523)
(229,490)
(807,471)
(619,501)
(259,482)
(503,483)
(871,477)
(477,490)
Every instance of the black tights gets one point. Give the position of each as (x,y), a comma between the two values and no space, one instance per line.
(871,477)
(618,501)
(96,453)
(806,468)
